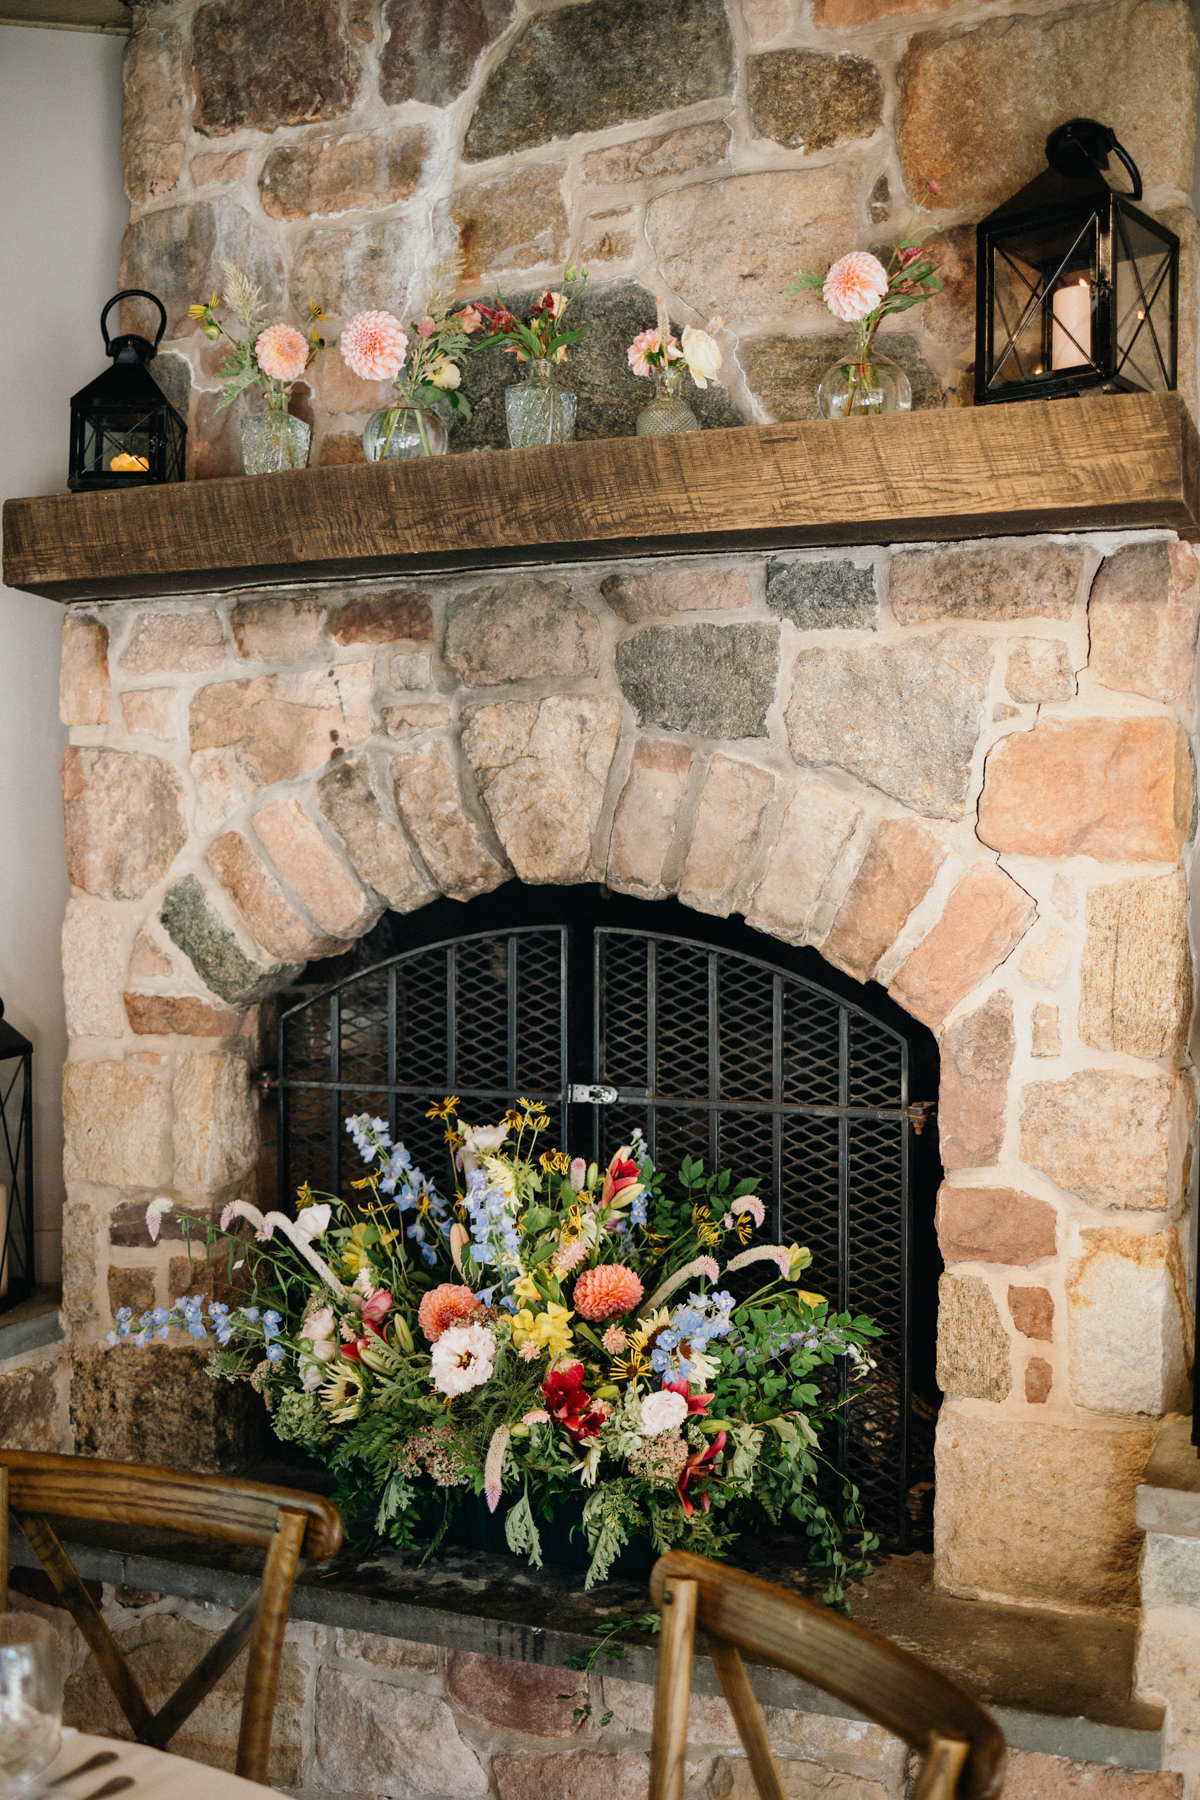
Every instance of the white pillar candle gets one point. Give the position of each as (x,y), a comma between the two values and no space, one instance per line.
(1071,345)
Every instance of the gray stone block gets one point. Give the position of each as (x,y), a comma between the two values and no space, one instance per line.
(819,596)
(716,680)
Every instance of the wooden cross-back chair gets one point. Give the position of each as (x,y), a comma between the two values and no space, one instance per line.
(961,1746)
(286,1524)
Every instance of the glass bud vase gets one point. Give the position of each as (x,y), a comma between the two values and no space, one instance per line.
(404,431)
(861,384)
(666,412)
(272,441)
(538,411)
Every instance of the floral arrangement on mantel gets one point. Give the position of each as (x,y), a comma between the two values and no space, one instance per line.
(375,346)
(271,357)
(554,1333)
(658,355)
(862,291)
(537,411)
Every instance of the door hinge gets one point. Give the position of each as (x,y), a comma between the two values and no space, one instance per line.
(920,1112)
(591,1096)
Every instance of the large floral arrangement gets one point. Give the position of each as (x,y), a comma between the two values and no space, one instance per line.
(553,1333)
(376,347)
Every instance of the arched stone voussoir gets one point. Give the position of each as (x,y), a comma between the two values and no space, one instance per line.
(331,893)
(194,924)
(809,870)
(642,845)
(733,805)
(900,866)
(454,847)
(373,841)
(982,922)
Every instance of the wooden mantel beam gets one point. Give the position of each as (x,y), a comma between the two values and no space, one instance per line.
(1128,460)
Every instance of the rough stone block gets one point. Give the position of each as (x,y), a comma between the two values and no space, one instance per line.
(303,858)
(126,821)
(387,1652)
(667,153)
(716,680)
(1032,1310)
(1110,1139)
(260,64)
(896,873)
(285,725)
(178,642)
(1046,1038)
(374,1735)
(542,768)
(517,220)
(994,1225)
(647,815)
(150,712)
(361,265)
(189,921)
(30,1414)
(93,951)
(1136,974)
(179,1015)
(429,52)
(452,845)
(517,1696)
(155,114)
(995,582)
(1129,1348)
(519,630)
(641,594)
(799,1779)
(732,802)
(1039,669)
(259,899)
(977,1058)
(784,372)
(131,1287)
(811,99)
(276,630)
(1142,618)
(983,921)
(973,1357)
(571,1775)
(1047,960)
(215,1127)
(210,1276)
(127,1226)
(1031,1775)
(1032,67)
(1165,1670)
(1116,789)
(597,66)
(904,718)
(797,896)
(393,618)
(158,1406)
(358,170)
(1171,1571)
(734,244)
(115,1115)
(146,957)
(411,670)
(1038,1512)
(823,596)
(374,842)
(1039,1379)
(218,168)
(173,250)
(83,688)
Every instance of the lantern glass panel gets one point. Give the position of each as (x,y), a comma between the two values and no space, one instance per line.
(16,1167)
(1142,265)
(1043,288)
(115,443)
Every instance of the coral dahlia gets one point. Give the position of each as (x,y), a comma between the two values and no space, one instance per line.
(282,352)
(445,1306)
(607,1292)
(855,286)
(374,346)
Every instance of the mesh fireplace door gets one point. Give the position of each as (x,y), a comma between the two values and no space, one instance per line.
(711,1047)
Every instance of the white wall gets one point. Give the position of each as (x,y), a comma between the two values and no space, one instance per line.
(62,211)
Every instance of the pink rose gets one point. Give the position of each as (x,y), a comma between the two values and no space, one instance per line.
(378,1304)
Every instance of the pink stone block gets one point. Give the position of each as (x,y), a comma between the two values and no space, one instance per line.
(984,920)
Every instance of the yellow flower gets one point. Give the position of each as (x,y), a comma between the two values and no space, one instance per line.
(798,1259)
(549,1330)
(197,312)
(527,1289)
(355,1255)
(341,1395)
(304,1195)
(809,1299)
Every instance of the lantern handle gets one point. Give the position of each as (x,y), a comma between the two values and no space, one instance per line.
(1131,169)
(133,294)
(1072,146)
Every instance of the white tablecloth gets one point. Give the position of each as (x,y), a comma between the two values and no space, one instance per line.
(156,1775)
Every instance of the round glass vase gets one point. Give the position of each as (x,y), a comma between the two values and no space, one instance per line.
(272,441)
(863,383)
(666,412)
(538,411)
(403,431)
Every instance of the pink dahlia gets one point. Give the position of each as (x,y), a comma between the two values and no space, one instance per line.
(608,1292)
(374,346)
(445,1306)
(855,286)
(568,1256)
(282,352)
(614,1340)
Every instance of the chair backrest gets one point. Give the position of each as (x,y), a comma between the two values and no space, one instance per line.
(961,1745)
(286,1524)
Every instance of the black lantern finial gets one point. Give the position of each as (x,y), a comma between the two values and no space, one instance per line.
(124,430)
(1078,288)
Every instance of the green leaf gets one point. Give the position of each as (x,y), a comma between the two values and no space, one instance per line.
(521,1533)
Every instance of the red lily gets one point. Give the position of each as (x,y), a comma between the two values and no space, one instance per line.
(353,1351)
(620,1175)
(694,1468)
(567,1402)
(498,317)
(696,1403)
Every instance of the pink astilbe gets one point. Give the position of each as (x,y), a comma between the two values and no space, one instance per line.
(154,1215)
(855,285)
(568,1256)
(749,1203)
(374,346)
(282,352)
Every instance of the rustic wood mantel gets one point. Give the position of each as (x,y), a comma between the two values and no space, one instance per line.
(988,472)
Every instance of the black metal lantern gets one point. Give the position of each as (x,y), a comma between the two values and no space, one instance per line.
(1078,288)
(16,1166)
(124,430)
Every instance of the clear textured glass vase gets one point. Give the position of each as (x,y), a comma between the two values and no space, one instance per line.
(403,431)
(538,411)
(863,383)
(272,441)
(666,412)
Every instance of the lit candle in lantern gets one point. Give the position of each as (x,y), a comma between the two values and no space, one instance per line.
(1071,344)
(125,464)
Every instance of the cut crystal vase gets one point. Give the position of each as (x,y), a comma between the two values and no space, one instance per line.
(538,411)
(274,440)
(666,412)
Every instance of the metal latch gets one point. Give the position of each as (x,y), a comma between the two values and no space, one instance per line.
(919,1112)
(591,1096)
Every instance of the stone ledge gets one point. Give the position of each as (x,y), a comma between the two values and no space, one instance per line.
(33,1324)
(1168,1499)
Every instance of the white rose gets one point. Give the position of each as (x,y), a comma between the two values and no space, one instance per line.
(312,1377)
(313,1222)
(662,1412)
(702,355)
(447,375)
(462,1359)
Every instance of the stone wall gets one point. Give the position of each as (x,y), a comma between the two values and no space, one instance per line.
(963,772)
(704,149)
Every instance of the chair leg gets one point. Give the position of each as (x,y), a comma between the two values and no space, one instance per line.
(943,1764)
(672,1690)
(751,1729)
(266,1647)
